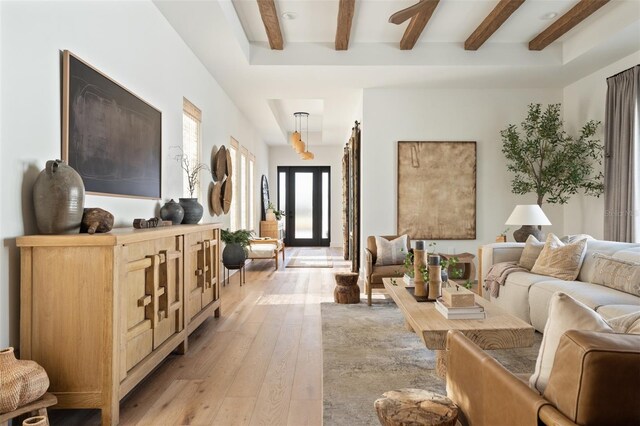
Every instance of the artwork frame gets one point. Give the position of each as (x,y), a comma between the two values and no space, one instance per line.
(110,136)
(436,190)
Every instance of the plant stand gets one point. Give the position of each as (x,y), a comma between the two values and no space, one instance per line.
(35,408)
(226,273)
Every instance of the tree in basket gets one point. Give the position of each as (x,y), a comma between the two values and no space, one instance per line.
(235,250)
(193,210)
(550,163)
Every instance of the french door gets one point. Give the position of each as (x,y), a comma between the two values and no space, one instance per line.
(304,194)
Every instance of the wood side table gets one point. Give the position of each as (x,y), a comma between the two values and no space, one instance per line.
(35,408)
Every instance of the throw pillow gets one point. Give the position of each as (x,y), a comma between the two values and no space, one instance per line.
(565,313)
(628,324)
(559,260)
(615,273)
(391,252)
(530,253)
(568,239)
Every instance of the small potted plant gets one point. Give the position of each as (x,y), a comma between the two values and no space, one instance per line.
(277,214)
(502,238)
(445,264)
(235,250)
(193,210)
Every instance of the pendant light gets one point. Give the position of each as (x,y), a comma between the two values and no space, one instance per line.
(305,154)
(296,137)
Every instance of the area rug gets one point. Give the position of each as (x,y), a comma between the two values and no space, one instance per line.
(367,351)
(310,258)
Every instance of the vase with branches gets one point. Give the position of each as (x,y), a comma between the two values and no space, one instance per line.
(193,210)
(547,161)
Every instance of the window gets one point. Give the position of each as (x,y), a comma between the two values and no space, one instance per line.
(243,189)
(191,123)
(242,212)
(252,184)
(233,211)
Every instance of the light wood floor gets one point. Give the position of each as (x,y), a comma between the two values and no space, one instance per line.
(259,364)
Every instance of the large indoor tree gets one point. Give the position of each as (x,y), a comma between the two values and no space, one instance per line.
(550,163)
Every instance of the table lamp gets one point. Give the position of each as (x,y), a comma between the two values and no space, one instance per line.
(529,216)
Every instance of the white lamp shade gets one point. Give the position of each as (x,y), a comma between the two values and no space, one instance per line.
(527,214)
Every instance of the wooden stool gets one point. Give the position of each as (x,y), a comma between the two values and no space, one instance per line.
(347,290)
(35,408)
(405,407)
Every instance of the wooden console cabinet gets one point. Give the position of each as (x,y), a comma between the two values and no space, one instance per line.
(100,312)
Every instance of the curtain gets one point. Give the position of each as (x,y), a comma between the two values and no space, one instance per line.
(621,139)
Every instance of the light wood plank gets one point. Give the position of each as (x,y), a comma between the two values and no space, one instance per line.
(272,405)
(566,22)
(503,10)
(345,18)
(235,411)
(271,23)
(303,412)
(417,24)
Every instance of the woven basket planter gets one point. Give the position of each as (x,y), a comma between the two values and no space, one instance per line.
(21,381)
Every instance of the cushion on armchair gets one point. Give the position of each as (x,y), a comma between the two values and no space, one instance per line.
(565,313)
(387,250)
(595,378)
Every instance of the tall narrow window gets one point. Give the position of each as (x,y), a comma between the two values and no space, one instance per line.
(243,188)
(252,184)
(233,211)
(191,122)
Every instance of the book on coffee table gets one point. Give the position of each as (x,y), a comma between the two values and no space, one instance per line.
(467,312)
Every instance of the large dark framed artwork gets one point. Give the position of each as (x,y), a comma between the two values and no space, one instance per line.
(437,190)
(111,137)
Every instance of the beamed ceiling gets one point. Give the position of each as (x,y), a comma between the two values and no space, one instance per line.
(275,57)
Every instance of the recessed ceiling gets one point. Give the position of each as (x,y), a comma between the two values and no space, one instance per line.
(268,85)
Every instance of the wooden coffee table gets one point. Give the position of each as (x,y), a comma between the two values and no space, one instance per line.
(499,330)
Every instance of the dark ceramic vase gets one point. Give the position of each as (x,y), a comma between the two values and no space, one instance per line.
(172,211)
(58,199)
(193,210)
(233,255)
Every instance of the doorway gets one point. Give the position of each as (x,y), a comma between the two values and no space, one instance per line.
(304,194)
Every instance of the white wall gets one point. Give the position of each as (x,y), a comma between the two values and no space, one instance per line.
(392,115)
(585,100)
(132,43)
(330,155)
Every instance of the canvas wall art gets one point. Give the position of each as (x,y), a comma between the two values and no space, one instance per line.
(437,190)
(110,137)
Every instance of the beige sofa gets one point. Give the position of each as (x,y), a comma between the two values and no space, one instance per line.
(527,295)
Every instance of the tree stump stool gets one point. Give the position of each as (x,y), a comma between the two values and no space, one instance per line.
(347,290)
(413,407)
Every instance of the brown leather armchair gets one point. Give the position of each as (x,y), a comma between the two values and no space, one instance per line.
(595,380)
(373,274)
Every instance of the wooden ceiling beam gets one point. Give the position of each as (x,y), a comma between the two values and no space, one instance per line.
(345,18)
(566,22)
(417,25)
(491,23)
(271,23)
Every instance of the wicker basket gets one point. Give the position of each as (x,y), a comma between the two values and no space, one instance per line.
(21,381)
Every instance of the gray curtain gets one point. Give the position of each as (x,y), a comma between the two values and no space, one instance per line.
(620,156)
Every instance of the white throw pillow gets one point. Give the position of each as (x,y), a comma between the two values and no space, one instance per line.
(530,253)
(391,252)
(565,313)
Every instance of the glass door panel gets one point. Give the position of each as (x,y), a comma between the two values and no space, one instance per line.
(303,205)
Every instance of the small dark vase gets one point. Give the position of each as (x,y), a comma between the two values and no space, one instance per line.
(58,199)
(444,275)
(233,255)
(172,211)
(193,210)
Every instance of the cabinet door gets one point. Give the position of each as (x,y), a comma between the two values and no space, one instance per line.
(138,315)
(210,291)
(195,279)
(168,295)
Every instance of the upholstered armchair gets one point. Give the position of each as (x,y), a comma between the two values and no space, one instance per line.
(373,274)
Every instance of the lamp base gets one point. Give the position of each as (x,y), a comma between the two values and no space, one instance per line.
(521,235)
